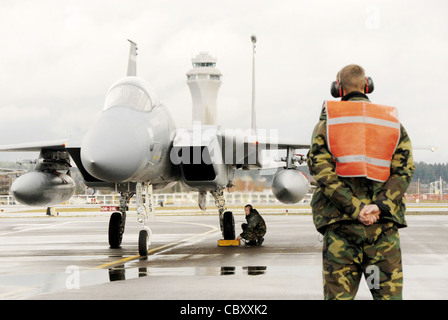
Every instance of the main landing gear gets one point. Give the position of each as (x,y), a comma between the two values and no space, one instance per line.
(226,220)
(145,212)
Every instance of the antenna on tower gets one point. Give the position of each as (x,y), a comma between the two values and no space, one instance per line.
(253,38)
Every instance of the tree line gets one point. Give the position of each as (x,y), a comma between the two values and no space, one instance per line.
(245,180)
(428,172)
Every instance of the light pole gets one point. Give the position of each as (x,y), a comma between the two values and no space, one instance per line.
(253,38)
(418,190)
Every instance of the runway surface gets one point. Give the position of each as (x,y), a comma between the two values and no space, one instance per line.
(68,257)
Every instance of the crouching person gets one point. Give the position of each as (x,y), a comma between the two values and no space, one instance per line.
(255,228)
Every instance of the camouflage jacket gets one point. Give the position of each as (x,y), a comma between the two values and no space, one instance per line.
(255,224)
(341,199)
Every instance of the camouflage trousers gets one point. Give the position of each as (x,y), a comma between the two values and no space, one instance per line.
(253,235)
(353,249)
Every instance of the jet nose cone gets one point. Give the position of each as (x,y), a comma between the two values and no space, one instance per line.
(112,151)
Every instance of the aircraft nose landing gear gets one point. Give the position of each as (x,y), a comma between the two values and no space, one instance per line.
(145,211)
(144,241)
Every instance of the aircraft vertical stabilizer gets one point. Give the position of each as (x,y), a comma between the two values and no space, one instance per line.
(132,62)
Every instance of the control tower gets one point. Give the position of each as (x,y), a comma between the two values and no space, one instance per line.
(204,81)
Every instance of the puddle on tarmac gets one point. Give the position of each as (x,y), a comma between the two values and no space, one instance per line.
(121,273)
(25,286)
(19,287)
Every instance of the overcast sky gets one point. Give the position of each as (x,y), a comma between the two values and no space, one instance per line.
(58,59)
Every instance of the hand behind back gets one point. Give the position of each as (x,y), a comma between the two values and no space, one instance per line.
(369,214)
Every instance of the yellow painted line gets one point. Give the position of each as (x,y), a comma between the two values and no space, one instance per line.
(159,248)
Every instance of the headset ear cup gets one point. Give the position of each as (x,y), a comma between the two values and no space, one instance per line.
(336,89)
(369,85)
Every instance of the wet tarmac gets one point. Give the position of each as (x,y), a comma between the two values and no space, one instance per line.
(68,257)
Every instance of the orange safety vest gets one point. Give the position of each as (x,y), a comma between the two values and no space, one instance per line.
(362,138)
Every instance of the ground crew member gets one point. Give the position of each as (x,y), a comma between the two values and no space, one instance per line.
(361,158)
(255,228)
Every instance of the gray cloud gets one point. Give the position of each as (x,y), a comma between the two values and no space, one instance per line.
(58,59)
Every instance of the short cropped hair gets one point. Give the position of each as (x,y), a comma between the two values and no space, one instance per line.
(352,78)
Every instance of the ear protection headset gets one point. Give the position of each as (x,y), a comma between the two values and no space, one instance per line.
(336,87)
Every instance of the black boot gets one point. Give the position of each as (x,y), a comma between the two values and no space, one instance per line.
(251,243)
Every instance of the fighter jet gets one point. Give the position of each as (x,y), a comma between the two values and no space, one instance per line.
(135,148)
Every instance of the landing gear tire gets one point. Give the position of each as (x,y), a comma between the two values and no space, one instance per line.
(143,243)
(228,225)
(115,230)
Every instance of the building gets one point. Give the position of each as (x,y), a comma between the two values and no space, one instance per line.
(204,81)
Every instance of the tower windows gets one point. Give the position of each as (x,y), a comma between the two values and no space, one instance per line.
(204,64)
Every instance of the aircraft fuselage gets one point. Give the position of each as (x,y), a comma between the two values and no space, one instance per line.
(128,142)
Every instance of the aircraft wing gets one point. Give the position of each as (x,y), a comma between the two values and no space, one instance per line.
(35,146)
(57,152)
(74,141)
(282,144)
(425,147)
(244,151)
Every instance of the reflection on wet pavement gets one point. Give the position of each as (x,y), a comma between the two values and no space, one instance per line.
(119,273)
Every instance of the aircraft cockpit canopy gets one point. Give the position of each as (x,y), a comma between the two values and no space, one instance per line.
(131,95)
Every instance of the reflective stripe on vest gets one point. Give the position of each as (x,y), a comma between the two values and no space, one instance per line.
(362,138)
